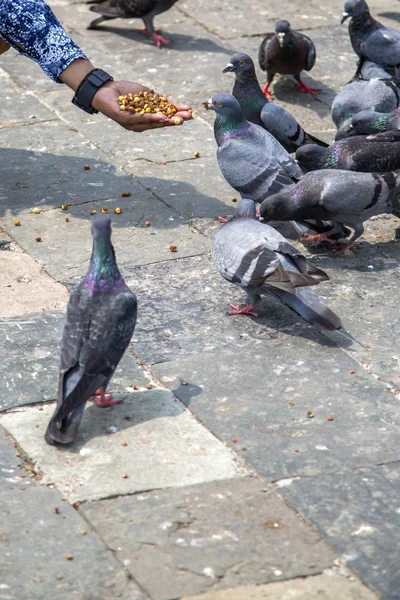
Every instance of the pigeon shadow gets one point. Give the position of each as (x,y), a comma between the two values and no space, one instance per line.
(179,41)
(136,408)
(367,258)
(46,181)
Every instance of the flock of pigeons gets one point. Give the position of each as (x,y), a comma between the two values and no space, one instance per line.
(324,192)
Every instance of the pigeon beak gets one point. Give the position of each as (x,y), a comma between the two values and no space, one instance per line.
(208,105)
(229,67)
(281,37)
(344,17)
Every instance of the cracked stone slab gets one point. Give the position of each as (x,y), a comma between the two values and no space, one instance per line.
(328,586)
(166,447)
(358,514)
(22,286)
(251,19)
(208,537)
(65,247)
(36,541)
(29,361)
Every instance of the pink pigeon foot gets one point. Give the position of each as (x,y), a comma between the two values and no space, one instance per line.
(340,248)
(222,219)
(266,93)
(246,310)
(104,400)
(305,89)
(314,240)
(160,40)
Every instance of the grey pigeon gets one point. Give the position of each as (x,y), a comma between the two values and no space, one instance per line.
(368,121)
(261,261)
(371,40)
(369,154)
(381,95)
(252,161)
(287,52)
(344,197)
(100,320)
(132,9)
(371,70)
(258,110)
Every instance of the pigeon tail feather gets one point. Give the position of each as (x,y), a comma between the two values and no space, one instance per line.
(309,306)
(65,433)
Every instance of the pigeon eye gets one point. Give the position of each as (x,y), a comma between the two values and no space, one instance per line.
(305,155)
(358,122)
(241,62)
(270,210)
(218,104)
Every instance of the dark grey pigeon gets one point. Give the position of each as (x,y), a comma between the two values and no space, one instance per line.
(252,161)
(368,121)
(258,110)
(132,9)
(370,154)
(371,40)
(261,261)
(343,197)
(100,320)
(381,95)
(287,52)
(371,70)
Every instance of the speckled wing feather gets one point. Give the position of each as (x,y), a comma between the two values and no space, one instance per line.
(382,46)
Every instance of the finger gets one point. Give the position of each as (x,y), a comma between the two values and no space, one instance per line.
(138,128)
(183,107)
(185,115)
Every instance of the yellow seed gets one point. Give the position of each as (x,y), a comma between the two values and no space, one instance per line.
(122,107)
(64,206)
(141,112)
(196,154)
(104,210)
(93,212)
(66,218)
(83,532)
(17,222)
(125,194)
(147,110)
(120,98)
(118,211)
(36,210)
(163,99)
(177,121)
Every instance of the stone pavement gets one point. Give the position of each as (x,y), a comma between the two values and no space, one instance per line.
(210,481)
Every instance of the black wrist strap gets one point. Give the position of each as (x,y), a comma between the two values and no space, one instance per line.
(87,89)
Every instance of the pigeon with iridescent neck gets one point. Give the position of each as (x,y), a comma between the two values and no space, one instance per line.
(100,320)
(258,110)
(262,262)
(369,121)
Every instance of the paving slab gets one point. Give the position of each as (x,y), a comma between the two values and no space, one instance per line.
(214,536)
(328,586)
(168,447)
(29,360)
(22,283)
(11,469)
(358,513)
(65,247)
(48,550)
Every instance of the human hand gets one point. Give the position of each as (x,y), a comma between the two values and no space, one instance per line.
(106,101)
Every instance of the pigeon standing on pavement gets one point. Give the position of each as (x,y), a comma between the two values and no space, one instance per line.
(381,95)
(369,154)
(343,197)
(368,121)
(371,40)
(132,9)
(100,320)
(252,161)
(261,261)
(258,110)
(287,52)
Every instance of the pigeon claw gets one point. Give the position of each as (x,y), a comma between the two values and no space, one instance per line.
(159,39)
(245,310)
(265,91)
(305,89)
(315,240)
(342,247)
(222,220)
(104,400)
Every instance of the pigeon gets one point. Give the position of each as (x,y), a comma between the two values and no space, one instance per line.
(371,40)
(100,320)
(132,9)
(343,197)
(261,261)
(369,121)
(369,154)
(371,70)
(252,161)
(258,110)
(381,95)
(286,52)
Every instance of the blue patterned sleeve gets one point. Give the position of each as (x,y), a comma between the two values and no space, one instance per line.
(31,27)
